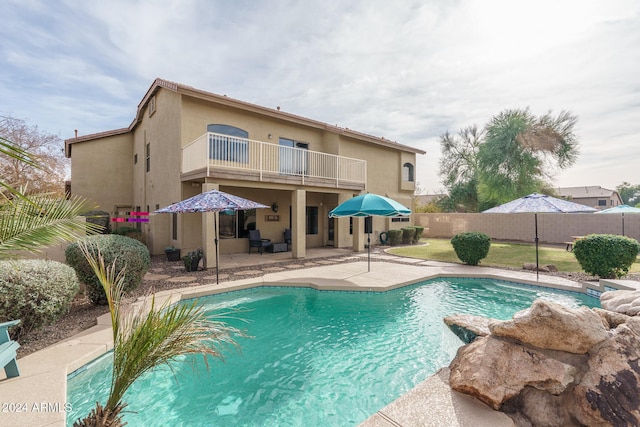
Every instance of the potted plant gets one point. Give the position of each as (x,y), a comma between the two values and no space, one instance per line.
(192,260)
(173,254)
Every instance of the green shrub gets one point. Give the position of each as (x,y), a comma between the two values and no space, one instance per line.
(126,252)
(471,247)
(418,235)
(407,235)
(395,237)
(606,255)
(132,232)
(35,291)
(100,218)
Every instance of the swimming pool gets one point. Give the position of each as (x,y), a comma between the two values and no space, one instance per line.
(316,357)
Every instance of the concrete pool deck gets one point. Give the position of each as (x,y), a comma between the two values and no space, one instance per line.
(38,396)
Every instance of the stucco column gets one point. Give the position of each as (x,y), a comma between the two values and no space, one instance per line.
(298,226)
(359,236)
(208,234)
(342,235)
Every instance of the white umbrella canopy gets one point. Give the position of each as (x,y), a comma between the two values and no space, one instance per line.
(212,201)
(534,203)
(621,209)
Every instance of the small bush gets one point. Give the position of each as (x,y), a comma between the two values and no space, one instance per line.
(132,232)
(418,235)
(35,291)
(126,252)
(471,247)
(606,255)
(395,237)
(407,235)
(100,218)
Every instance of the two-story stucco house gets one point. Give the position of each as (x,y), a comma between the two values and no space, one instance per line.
(184,141)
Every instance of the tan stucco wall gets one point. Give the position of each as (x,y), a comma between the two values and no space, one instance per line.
(102,172)
(552,227)
(179,119)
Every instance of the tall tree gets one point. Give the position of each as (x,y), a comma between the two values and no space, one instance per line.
(458,168)
(46,149)
(630,194)
(521,152)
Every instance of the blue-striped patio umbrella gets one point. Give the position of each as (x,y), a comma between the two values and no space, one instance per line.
(534,203)
(367,205)
(212,201)
(620,209)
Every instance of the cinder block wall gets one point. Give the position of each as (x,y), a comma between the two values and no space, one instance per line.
(553,228)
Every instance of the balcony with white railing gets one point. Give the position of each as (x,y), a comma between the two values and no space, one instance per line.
(229,157)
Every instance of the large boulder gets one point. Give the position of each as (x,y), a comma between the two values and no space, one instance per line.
(625,302)
(468,327)
(552,326)
(609,392)
(495,370)
(589,374)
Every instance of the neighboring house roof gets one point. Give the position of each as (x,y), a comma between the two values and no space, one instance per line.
(585,192)
(223,99)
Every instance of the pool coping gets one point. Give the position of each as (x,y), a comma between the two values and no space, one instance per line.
(38,395)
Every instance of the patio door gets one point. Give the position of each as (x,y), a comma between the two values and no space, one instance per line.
(330,229)
(293,157)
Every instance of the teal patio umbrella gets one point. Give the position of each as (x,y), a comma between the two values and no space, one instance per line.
(621,209)
(368,205)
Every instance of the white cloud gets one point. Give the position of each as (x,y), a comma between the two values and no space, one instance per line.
(407,70)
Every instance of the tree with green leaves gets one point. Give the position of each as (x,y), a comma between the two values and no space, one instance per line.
(516,154)
(458,169)
(521,152)
(148,336)
(630,194)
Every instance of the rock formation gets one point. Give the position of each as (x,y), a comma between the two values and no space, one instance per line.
(626,302)
(555,366)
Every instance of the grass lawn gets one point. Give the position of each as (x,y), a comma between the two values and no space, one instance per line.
(500,255)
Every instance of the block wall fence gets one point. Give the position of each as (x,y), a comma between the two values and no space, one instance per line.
(553,228)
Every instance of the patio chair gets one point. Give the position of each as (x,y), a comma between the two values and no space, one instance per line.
(255,241)
(287,237)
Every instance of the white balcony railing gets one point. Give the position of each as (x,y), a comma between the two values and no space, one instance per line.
(216,152)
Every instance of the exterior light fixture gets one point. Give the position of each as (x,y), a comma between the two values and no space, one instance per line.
(274,207)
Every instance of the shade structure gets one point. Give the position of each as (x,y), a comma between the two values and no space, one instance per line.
(368,205)
(621,209)
(534,203)
(212,201)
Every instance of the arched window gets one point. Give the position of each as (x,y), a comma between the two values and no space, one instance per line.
(231,145)
(407,172)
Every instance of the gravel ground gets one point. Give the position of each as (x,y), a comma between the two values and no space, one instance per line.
(82,314)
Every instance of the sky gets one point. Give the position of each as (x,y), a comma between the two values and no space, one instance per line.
(405,70)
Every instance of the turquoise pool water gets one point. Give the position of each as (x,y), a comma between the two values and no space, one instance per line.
(317,358)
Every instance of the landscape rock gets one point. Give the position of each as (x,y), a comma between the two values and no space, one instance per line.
(531,266)
(495,370)
(537,386)
(552,326)
(625,302)
(468,327)
(609,393)
(611,319)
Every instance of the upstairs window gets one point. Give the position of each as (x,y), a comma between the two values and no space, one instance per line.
(147,152)
(407,172)
(231,146)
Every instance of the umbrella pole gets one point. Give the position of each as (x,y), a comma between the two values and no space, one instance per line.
(369,251)
(215,239)
(535,215)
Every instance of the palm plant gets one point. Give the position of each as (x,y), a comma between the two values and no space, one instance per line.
(30,222)
(147,336)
